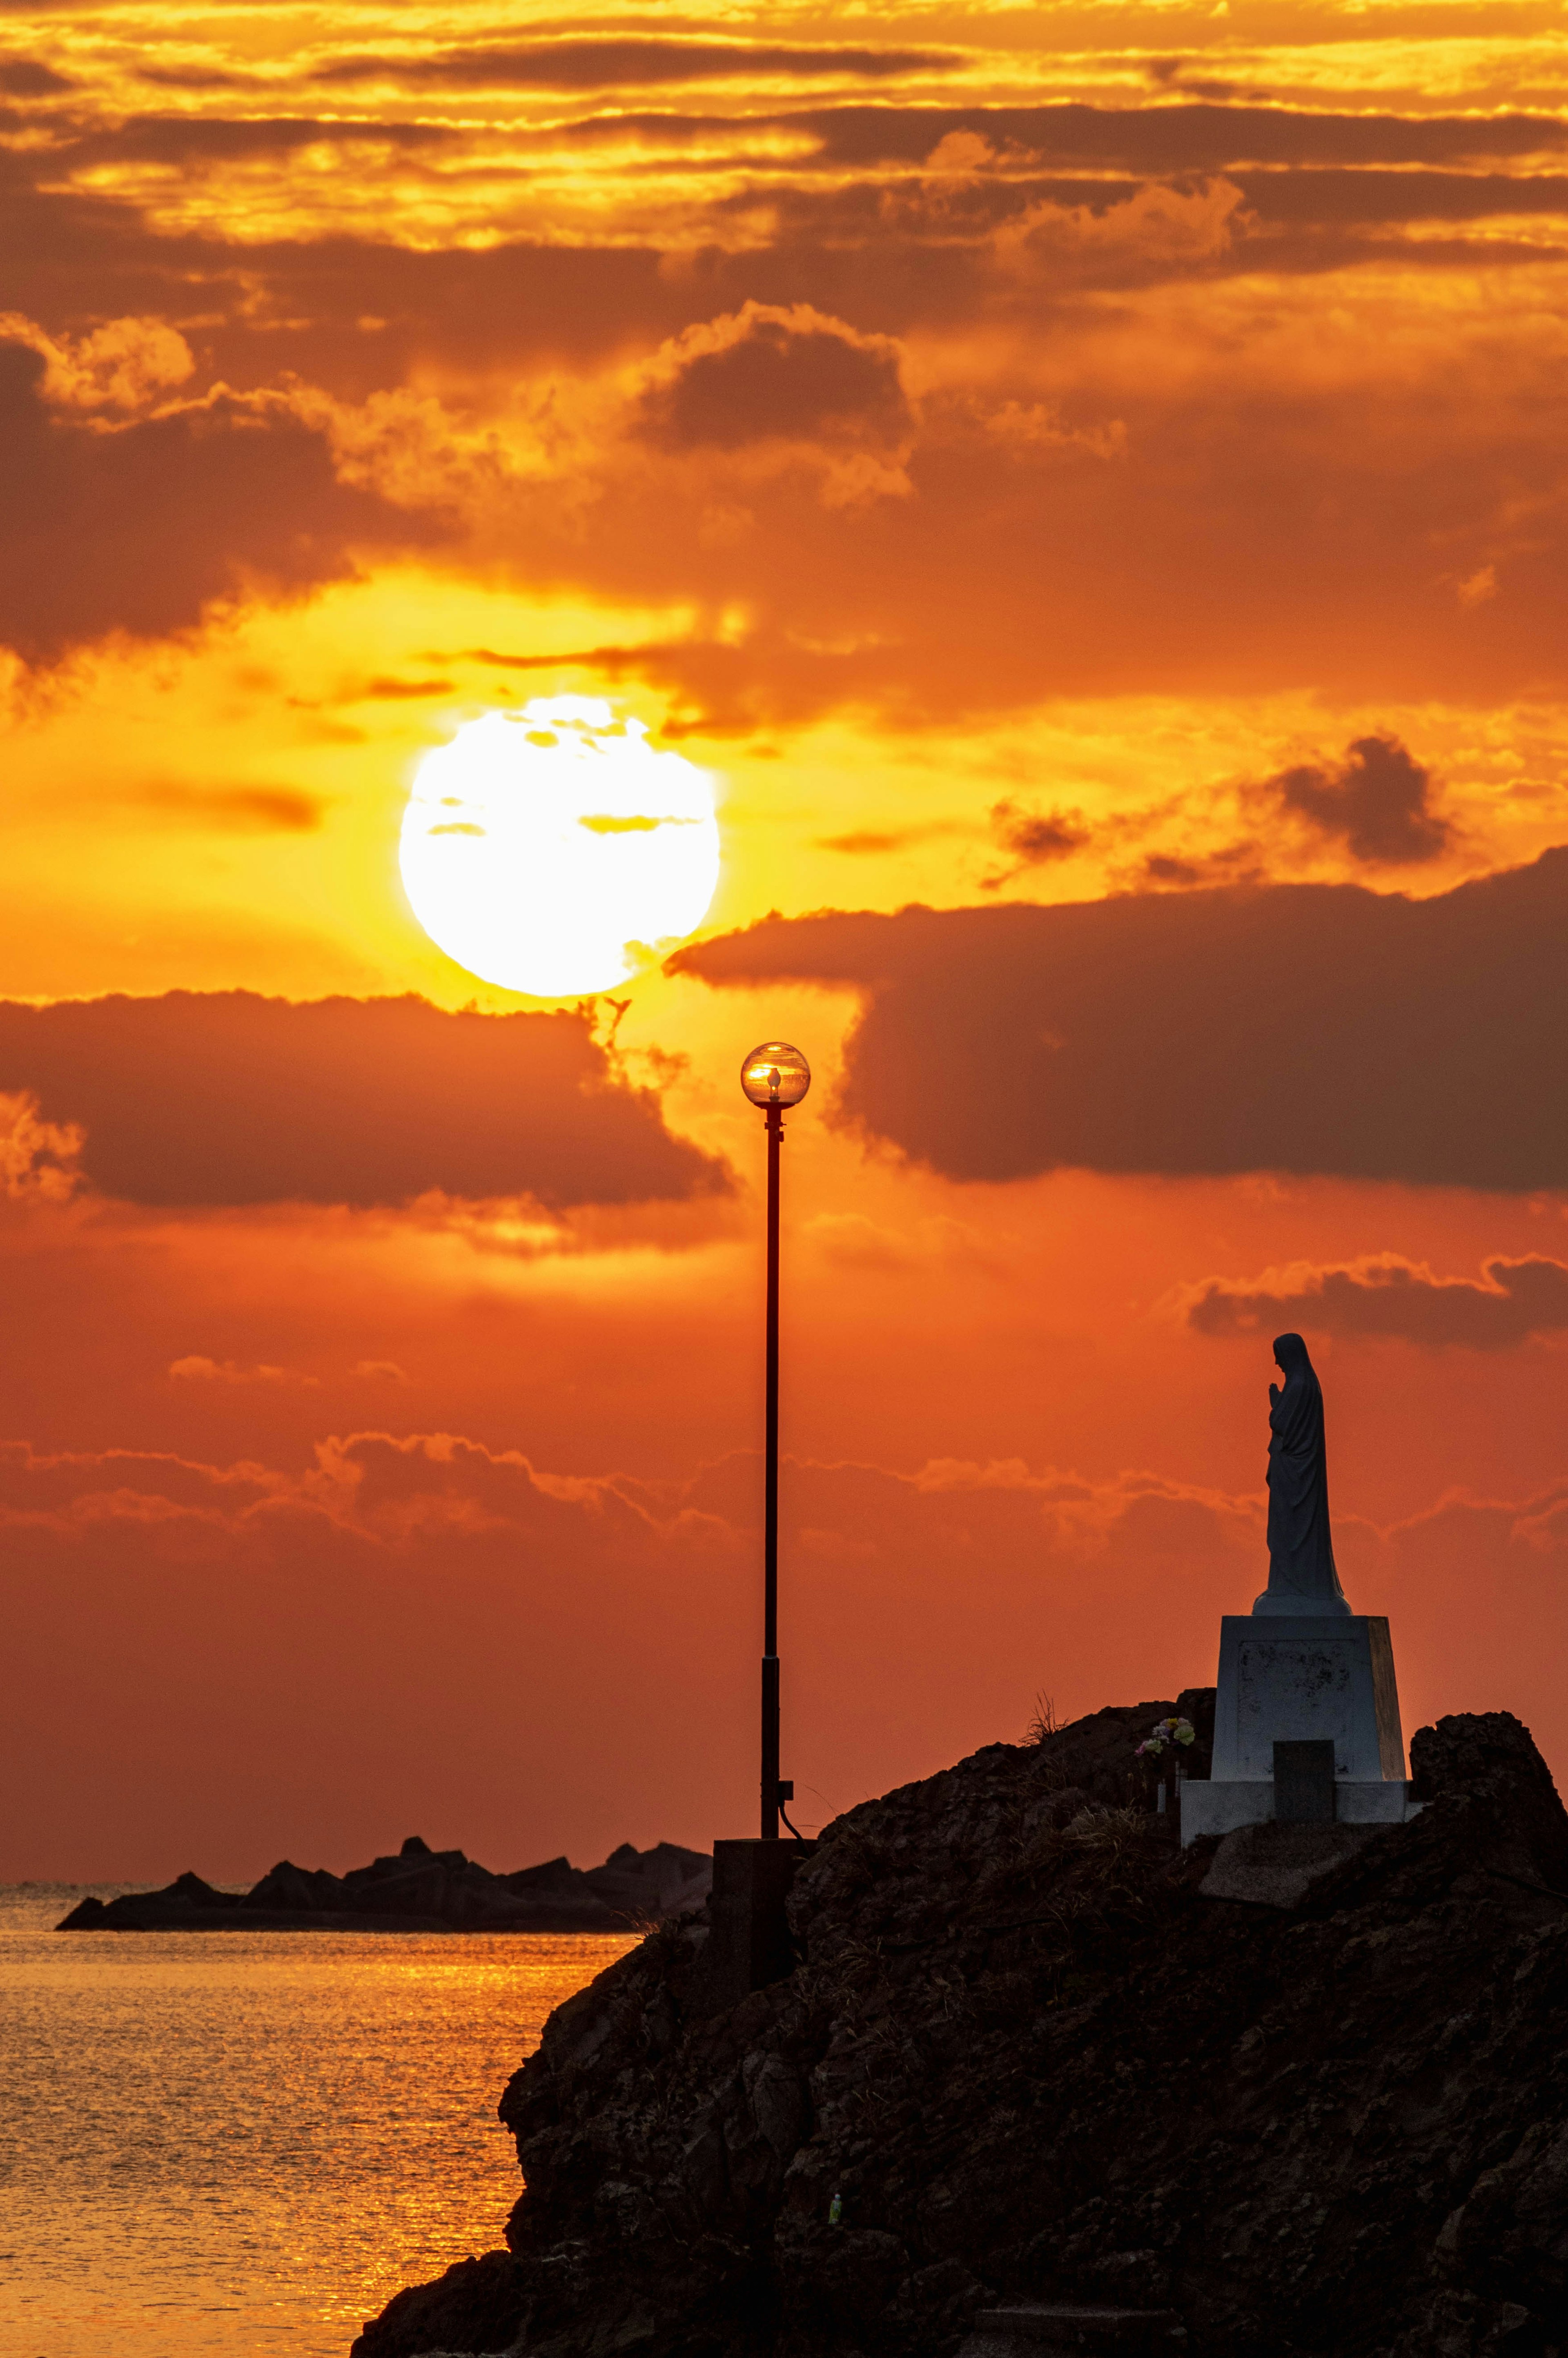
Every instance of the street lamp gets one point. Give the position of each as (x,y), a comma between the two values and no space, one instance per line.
(773,1076)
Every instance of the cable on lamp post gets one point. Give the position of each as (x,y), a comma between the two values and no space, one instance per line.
(773,1076)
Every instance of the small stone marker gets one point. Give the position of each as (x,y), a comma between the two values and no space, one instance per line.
(1303,1783)
(1272,1865)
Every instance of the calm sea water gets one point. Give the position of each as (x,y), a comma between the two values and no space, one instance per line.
(245,2143)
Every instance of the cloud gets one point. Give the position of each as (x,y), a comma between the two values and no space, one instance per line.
(1328,197)
(199,1371)
(235,810)
(1394,453)
(238,1659)
(1155,224)
(1177,139)
(27,78)
(140,528)
(1377,802)
(230,1098)
(38,1158)
(594,63)
(767,374)
(124,364)
(214,1662)
(1384,1294)
(1034,838)
(1304,1028)
(871,842)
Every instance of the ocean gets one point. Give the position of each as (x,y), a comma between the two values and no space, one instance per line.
(245,2143)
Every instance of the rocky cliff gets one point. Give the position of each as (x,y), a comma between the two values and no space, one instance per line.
(1027,2056)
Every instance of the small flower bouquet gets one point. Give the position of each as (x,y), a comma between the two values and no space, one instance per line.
(1166,1735)
(1160,1755)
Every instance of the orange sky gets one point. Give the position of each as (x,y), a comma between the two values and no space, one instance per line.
(1087,484)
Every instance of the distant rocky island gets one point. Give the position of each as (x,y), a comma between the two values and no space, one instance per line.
(1042,2081)
(422,1890)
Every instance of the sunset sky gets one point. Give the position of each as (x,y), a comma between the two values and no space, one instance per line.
(1087,487)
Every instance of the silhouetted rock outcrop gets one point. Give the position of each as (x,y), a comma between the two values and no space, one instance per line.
(1034,2063)
(422,1890)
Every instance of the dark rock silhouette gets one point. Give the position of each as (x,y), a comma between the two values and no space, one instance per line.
(1024,2059)
(421,1891)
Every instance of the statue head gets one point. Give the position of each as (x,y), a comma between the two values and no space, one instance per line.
(1290,1355)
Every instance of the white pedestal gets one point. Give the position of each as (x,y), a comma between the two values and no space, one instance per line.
(1218,1806)
(1286,1678)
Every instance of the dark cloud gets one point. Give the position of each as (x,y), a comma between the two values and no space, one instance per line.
(769,374)
(230,1098)
(595,63)
(1377,802)
(27,78)
(1035,839)
(1233,863)
(383,690)
(1173,139)
(1389,1296)
(861,842)
(1186,79)
(138,529)
(1302,1028)
(1337,197)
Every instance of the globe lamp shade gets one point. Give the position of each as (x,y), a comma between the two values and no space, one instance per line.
(775,1074)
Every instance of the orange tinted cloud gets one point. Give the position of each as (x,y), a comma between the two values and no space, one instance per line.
(613,63)
(139,528)
(1244,471)
(1511,1301)
(230,1098)
(768,375)
(1302,1028)
(299,1663)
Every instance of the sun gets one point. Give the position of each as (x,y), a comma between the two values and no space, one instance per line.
(554,851)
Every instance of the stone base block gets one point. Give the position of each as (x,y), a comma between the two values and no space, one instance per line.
(1218,1806)
(1307,1679)
(750,1944)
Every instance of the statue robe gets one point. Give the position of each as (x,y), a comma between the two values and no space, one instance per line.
(1301,1574)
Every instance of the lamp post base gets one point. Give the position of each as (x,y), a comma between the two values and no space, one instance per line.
(750,1944)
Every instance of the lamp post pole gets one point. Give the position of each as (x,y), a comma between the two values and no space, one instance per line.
(773,1076)
(774,1118)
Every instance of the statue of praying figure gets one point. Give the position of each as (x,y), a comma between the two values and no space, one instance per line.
(1301,1577)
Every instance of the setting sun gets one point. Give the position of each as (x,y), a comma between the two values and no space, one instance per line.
(554,851)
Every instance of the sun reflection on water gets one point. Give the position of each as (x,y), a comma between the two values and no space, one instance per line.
(231,2142)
